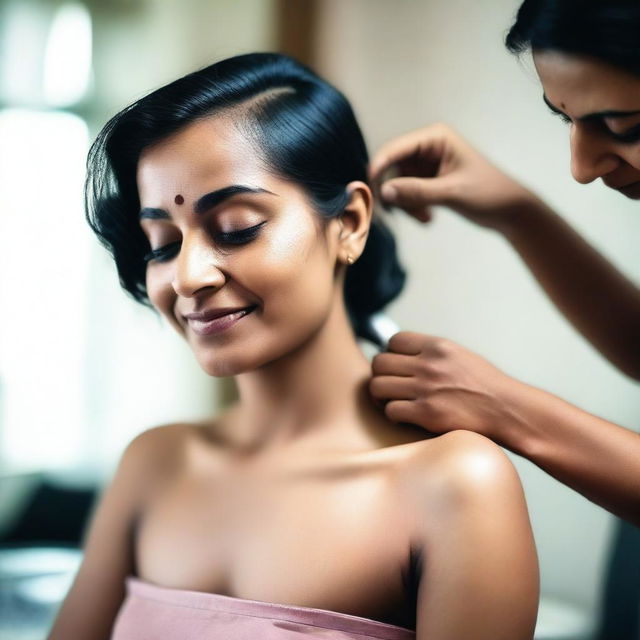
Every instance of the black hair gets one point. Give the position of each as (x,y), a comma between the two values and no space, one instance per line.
(605,29)
(306,132)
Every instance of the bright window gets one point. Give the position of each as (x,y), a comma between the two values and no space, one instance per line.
(44,241)
(44,260)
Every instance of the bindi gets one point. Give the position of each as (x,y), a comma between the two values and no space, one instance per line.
(179,199)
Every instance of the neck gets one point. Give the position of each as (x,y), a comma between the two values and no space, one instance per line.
(314,393)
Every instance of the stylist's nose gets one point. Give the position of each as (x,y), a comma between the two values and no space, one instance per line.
(197,267)
(592,155)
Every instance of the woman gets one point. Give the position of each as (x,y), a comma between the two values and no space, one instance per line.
(235,201)
(587,55)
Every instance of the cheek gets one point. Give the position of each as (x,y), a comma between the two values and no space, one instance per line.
(297,277)
(161,294)
(294,288)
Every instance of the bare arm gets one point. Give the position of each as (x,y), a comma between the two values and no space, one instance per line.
(480,575)
(596,458)
(595,297)
(437,167)
(90,608)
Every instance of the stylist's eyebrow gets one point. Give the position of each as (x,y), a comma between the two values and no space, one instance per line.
(205,202)
(599,115)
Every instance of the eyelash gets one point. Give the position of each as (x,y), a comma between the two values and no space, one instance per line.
(631,136)
(562,116)
(240,237)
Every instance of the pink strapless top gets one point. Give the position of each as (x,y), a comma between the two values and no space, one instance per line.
(150,612)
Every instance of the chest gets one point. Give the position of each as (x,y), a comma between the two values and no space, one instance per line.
(329,540)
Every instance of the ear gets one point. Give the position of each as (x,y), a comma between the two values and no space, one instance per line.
(354,223)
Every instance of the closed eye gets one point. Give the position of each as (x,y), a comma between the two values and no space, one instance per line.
(239,237)
(162,254)
(629,136)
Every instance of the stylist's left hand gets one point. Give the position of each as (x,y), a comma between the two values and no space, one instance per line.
(441,386)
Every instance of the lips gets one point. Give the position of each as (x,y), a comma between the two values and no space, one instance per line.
(212,321)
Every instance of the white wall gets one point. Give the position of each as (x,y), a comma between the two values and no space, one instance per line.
(407,63)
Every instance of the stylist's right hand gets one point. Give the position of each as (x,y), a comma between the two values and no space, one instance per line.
(441,386)
(435,166)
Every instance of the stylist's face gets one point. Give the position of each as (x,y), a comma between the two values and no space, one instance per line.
(602,104)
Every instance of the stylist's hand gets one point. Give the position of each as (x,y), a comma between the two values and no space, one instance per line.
(441,386)
(435,166)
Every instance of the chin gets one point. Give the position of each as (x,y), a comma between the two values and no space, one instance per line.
(225,362)
(225,367)
(234,359)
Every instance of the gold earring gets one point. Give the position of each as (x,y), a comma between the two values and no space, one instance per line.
(350,260)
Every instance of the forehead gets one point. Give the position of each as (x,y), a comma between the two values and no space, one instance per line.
(209,153)
(580,84)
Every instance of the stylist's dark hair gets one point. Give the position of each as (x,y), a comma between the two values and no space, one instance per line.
(303,128)
(605,29)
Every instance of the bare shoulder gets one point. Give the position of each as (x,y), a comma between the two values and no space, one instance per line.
(91,605)
(148,457)
(157,445)
(463,455)
(468,517)
(159,439)
(161,450)
(457,468)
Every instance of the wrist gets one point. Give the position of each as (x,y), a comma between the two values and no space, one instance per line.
(519,427)
(525,212)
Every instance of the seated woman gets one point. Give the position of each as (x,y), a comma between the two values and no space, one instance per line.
(234,200)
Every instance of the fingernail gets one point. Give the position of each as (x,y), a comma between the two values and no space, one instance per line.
(388,192)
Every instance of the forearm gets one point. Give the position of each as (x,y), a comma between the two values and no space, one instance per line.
(597,458)
(594,296)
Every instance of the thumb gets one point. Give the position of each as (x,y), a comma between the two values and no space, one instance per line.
(414,193)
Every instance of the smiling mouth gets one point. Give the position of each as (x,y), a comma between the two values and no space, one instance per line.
(211,326)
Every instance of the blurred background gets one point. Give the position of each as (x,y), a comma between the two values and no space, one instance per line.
(83,369)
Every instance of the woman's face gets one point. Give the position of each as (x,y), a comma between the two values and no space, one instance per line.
(602,103)
(241,265)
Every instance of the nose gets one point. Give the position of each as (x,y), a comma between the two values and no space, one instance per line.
(198,267)
(592,156)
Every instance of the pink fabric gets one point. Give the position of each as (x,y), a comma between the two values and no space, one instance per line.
(157,613)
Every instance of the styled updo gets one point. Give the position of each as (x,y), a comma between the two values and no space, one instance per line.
(305,131)
(605,29)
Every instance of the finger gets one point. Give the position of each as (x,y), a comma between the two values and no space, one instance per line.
(422,214)
(412,194)
(407,342)
(388,155)
(421,142)
(392,364)
(404,411)
(392,388)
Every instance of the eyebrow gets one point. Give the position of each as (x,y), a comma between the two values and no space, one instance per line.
(593,116)
(205,202)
